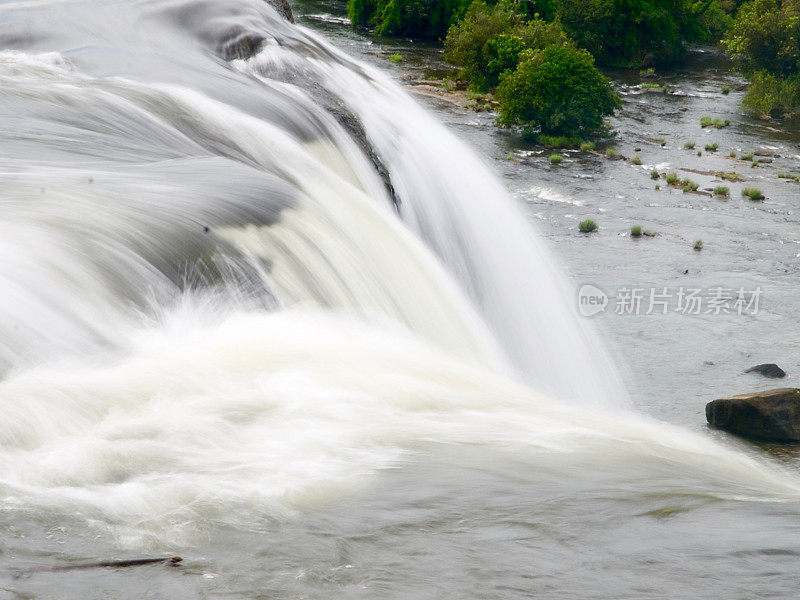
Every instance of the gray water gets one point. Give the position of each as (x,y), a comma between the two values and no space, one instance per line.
(225,337)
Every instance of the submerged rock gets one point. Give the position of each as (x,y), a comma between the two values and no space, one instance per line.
(772,415)
(768,370)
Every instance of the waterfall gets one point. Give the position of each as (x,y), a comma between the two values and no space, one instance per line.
(236,281)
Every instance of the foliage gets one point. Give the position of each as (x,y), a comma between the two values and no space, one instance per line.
(765,38)
(636,231)
(587,146)
(587,226)
(698,245)
(721,190)
(488,42)
(555,159)
(414,18)
(633,32)
(395,58)
(771,95)
(557,90)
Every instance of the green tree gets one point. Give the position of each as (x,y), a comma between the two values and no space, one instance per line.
(631,32)
(489,40)
(427,19)
(765,38)
(557,90)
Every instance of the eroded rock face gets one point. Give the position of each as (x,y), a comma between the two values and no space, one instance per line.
(768,370)
(772,415)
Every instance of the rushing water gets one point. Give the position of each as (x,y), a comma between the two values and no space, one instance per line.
(264,312)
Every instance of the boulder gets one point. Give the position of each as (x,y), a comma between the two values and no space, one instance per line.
(773,415)
(768,370)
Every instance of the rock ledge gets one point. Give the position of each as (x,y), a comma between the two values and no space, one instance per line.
(772,415)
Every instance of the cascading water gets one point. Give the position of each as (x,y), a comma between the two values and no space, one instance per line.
(239,285)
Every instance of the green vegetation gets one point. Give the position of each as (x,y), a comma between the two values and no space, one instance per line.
(636,160)
(718,123)
(412,18)
(689,145)
(672,179)
(721,190)
(629,33)
(689,185)
(748,156)
(587,146)
(698,245)
(711,147)
(726,90)
(752,193)
(555,159)
(611,153)
(732,154)
(489,41)
(636,231)
(395,58)
(556,141)
(587,226)
(654,175)
(765,38)
(556,90)
(791,176)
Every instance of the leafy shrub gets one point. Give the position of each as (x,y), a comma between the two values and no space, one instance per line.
(698,245)
(413,18)
(748,156)
(654,175)
(587,146)
(587,226)
(689,145)
(771,95)
(610,153)
(711,147)
(765,39)
(765,36)
(706,122)
(622,32)
(636,231)
(726,89)
(488,42)
(395,58)
(672,178)
(555,159)
(558,90)
(636,160)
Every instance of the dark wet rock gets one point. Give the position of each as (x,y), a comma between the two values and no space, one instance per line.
(768,370)
(242,46)
(772,415)
(764,160)
(283,7)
